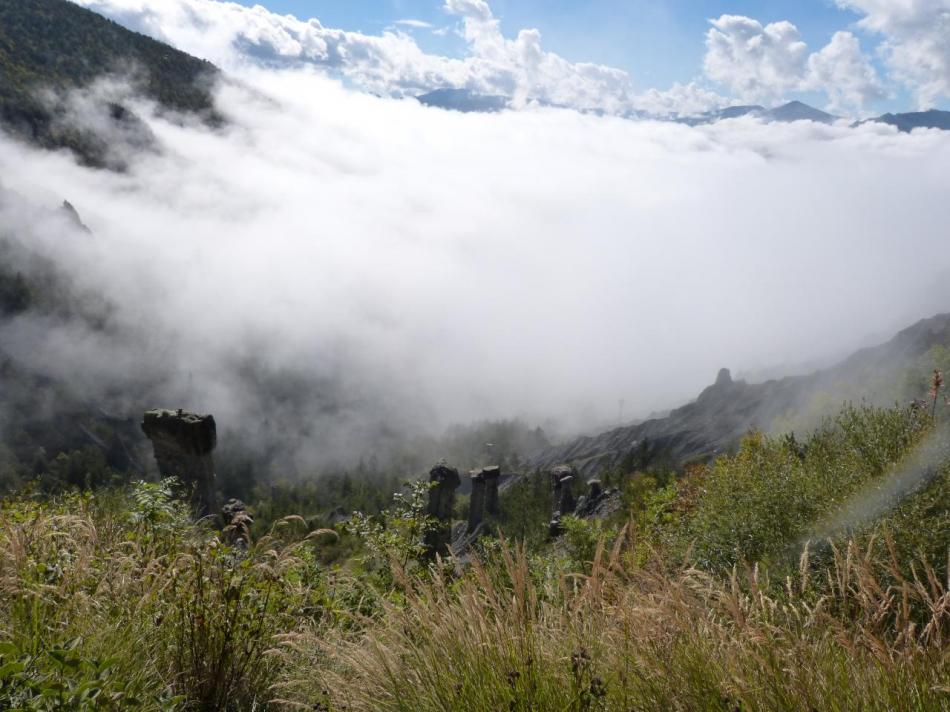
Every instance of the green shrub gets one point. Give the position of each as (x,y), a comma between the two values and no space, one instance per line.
(756,504)
(394,538)
(60,678)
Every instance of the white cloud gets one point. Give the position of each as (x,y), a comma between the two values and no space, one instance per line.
(757,62)
(766,62)
(415,24)
(844,73)
(683,99)
(478,11)
(917,42)
(392,63)
(425,266)
(234,36)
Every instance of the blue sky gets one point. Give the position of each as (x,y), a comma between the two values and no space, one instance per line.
(658,42)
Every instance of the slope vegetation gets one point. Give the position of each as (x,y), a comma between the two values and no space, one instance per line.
(702,595)
(48,47)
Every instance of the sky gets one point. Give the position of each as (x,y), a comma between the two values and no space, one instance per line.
(854,58)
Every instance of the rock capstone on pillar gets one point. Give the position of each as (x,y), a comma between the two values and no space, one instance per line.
(444,480)
(558,475)
(183,443)
(561,478)
(587,504)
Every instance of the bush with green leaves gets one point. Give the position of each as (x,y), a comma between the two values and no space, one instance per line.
(582,537)
(61,678)
(755,505)
(394,538)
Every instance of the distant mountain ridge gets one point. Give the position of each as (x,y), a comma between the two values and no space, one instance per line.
(53,46)
(792,111)
(465,100)
(932,119)
(727,410)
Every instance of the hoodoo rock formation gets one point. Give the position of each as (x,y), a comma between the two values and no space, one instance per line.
(597,503)
(483,499)
(443,481)
(492,477)
(476,504)
(562,478)
(183,443)
(592,503)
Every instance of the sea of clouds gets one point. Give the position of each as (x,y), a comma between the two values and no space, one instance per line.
(337,266)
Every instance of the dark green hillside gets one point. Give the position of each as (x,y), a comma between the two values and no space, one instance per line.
(55,44)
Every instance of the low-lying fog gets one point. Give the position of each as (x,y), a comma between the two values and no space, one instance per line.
(382,265)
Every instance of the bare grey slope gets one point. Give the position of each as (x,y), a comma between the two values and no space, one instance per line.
(728,409)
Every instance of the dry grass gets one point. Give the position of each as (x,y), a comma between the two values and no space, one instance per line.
(860,636)
(185,621)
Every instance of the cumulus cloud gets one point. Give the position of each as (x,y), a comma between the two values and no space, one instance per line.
(917,42)
(756,61)
(680,99)
(766,62)
(844,72)
(333,265)
(235,36)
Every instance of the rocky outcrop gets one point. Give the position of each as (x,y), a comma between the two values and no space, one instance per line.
(236,522)
(562,479)
(595,503)
(598,503)
(492,477)
(728,409)
(476,502)
(483,500)
(586,503)
(443,481)
(183,443)
(73,216)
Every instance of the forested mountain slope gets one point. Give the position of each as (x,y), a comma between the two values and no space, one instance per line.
(49,47)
